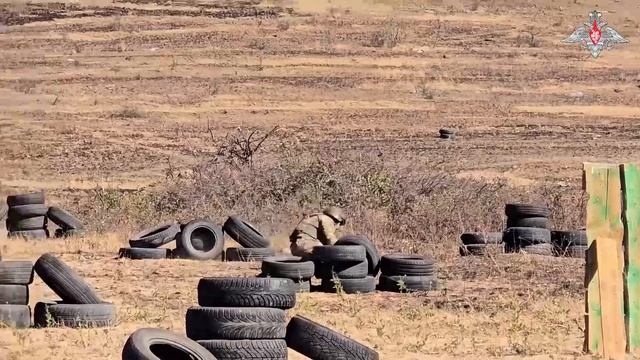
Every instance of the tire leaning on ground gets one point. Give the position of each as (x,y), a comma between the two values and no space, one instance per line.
(50,314)
(247,349)
(64,281)
(244,233)
(373,257)
(201,240)
(289,267)
(156,236)
(17,316)
(159,344)
(247,292)
(232,323)
(143,253)
(321,343)
(63,219)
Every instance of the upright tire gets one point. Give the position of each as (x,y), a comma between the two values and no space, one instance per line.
(201,240)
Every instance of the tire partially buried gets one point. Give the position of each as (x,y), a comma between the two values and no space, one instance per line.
(159,344)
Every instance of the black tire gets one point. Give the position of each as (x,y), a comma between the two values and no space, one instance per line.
(303,286)
(563,239)
(156,236)
(143,253)
(249,254)
(539,249)
(159,344)
(244,233)
(290,267)
(14,294)
(409,265)
(247,349)
(64,281)
(532,222)
(577,251)
(477,238)
(26,224)
(407,283)
(29,234)
(64,219)
(201,240)
(373,257)
(318,342)
(26,211)
(26,199)
(240,292)
(526,210)
(342,270)
(339,253)
(16,272)
(229,323)
(55,314)
(349,286)
(16,316)
(518,237)
(472,249)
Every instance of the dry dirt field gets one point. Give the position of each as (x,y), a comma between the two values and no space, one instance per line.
(101,100)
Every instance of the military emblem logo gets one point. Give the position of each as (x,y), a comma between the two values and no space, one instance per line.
(595,35)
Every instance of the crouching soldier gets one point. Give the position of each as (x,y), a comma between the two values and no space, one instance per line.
(316,230)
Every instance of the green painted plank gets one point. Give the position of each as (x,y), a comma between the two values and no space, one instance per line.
(631,218)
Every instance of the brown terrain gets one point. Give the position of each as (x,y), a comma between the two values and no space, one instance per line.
(132,112)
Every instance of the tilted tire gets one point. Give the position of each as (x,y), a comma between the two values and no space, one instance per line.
(342,270)
(64,219)
(338,253)
(14,294)
(159,344)
(526,210)
(26,211)
(407,264)
(244,233)
(16,272)
(247,349)
(349,286)
(407,283)
(201,240)
(247,292)
(212,323)
(290,267)
(318,342)
(533,222)
(54,314)
(26,199)
(29,234)
(373,257)
(156,236)
(144,253)
(249,254)
(64,281)
(26,224)
(16,316)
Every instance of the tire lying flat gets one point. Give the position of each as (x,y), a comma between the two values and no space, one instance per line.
(339,253)
(247,349)
(53,314)
(17,316)
(159,344)
(26,199)
(407,264)
(342,270)
(144,253)
(289,267)
(16,272)
(14,294)
(29,234)
(373,257)
(214,323)
(349,286)
(277,293)
(407,283)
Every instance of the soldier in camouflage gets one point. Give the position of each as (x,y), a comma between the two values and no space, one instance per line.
(316,230)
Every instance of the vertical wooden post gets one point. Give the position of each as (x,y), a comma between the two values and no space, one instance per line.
(605,325)
(631,216)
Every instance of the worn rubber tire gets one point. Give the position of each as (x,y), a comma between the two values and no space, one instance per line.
(342,270)
(526,210)
(156,236)
(160,344)
(318,342)
(563,239)
(373,257)
(303,286)
(350,286)
(232,323)
(577,251)
(338,253)
(518,237)
(249,254)
(539,249)
(201,240)
(16,272)
(240,292)
(64,281)
(29,234)
(247,349)
(532,222)
(26,211)
(244,233)
(26,224)
(144,253)
(290,267)
(64,219)
(407,264)
(26,199)
(54,314)
(407,283)
(14,294)
(472,249)
(15,316)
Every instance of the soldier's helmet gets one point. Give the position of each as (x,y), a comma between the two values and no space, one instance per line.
(336,214)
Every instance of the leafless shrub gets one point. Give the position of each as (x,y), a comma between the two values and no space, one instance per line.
(528,39)
(390,36)
(128,113)
(240,147)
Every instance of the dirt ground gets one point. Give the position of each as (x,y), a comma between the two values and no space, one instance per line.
(115,93)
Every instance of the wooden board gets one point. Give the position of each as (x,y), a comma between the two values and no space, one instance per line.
(631,219)
(605,327)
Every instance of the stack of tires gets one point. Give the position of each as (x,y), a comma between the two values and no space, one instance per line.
(15,277)
(289,267)
(343,268)
(255,247)
(80,304)
(527,229)
(570,243)
(407,273)
(481,243)
(242,318)
(27,216)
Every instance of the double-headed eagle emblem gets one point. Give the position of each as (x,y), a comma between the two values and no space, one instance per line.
(595,35)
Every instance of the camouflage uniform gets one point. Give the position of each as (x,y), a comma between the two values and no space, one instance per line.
(316,230)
